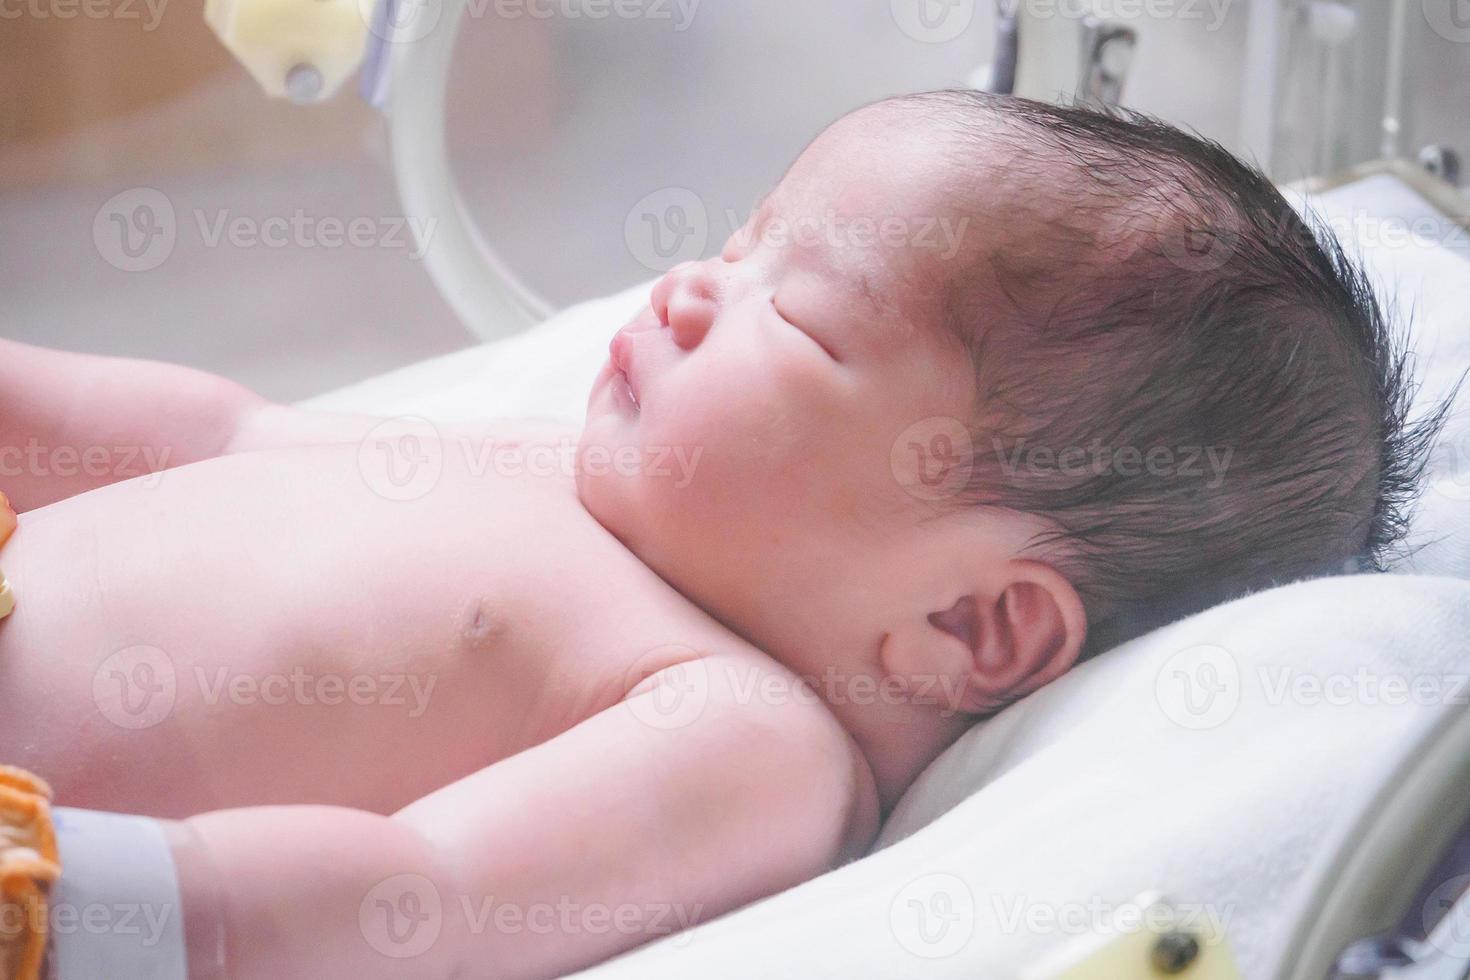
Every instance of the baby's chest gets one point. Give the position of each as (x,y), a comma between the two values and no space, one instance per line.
(321,641)
(519,605)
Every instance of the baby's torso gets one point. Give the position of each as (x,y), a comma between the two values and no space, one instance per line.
(300,626)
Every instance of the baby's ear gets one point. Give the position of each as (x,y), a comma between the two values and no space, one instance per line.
(1025,635)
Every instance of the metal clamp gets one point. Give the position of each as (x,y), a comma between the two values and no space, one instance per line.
(1107,55)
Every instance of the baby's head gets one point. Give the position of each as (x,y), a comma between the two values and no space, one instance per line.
(985,385)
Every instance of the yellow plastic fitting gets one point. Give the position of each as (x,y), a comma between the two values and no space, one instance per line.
(1158,942)
(302,50)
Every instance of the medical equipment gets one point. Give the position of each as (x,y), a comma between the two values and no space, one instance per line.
(305,51)
(1084,57)
(300,51)
(1145,938)
(1393,893)
(412,68)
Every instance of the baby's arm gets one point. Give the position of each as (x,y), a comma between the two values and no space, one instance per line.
(74,422)
(630,825)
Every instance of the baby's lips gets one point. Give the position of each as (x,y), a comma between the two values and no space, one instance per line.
(7,519)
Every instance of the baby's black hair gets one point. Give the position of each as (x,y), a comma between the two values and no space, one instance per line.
(1164,297)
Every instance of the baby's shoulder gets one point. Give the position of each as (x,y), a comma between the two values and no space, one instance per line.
(797,750)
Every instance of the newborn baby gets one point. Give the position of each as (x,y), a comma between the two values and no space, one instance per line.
(922,483)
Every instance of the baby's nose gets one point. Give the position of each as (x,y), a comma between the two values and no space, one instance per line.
(687,301)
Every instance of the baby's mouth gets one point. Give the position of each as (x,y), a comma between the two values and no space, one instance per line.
(626,387)
(620,352)
(627,375)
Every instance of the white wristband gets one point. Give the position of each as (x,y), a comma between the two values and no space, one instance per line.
(116,909)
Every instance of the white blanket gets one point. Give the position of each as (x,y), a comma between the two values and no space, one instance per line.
(1207,760)
(1039,821)
(1420,262)
(546,372)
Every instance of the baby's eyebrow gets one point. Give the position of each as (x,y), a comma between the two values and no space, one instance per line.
(865,286)
(885,326)
(748,234)
(765,209)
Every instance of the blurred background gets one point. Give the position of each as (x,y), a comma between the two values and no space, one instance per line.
(563,116)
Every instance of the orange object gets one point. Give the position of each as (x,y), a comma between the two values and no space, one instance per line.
(7,596)
(29,864)
(7,519)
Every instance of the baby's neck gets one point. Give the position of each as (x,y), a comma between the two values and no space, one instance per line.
(899,734)
(899,741)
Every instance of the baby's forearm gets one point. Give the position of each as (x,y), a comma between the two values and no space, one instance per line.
(74,422)
(250,894)
(316,891)
(261,893)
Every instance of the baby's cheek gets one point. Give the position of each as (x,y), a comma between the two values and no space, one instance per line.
(752,427)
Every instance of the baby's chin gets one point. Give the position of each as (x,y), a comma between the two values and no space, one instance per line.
(604,492)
